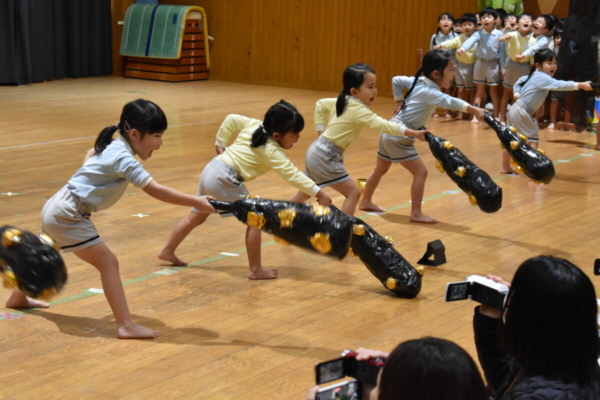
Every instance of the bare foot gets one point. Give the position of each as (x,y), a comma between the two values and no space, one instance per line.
(170,257)
(262,273)
(474,120)
(435,115)
(17,299)
(448,115)
(508,171)
(422,218)
(550,126)
(135,331)
(459,116)
(502,123)
(370,207)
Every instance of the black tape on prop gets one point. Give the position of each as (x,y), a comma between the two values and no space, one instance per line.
(325,230)
(30,263)
(380,257)
(527,160)
(474,181)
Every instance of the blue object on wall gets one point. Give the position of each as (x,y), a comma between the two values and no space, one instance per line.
(147,1)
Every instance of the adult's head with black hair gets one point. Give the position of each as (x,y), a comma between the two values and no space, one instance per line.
(429,369)
(281,118)
(354,77)
(140,115)
(30,263)
(550,320)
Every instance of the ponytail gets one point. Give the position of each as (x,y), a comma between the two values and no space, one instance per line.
(417,75)
(340,104)
(104,139)
(434,60)
(141,115)
(282,118)
(260,136)
(353,78)
(533,68)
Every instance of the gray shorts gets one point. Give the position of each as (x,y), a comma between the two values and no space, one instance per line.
(325,163)
(487,72)
(463,76)
(521,117)
(397,149)
(515,70)
(223,182)
(66,219)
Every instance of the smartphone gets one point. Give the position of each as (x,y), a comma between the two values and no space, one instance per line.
(345,390)
(330,371)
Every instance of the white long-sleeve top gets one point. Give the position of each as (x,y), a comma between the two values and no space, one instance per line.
(541,42)
(490,48)
(423,100)
(534,92)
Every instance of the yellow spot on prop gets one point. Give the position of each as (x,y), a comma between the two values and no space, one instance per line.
(280,240)
(514,145)
(473,200)
(461,171)
(10,281)
(320,242)
(389,239)
(358,230)
(255,220)
(11,237)
(390,283)
(286,217)
(448,145)
(420,269)
(321,210)
(439,166)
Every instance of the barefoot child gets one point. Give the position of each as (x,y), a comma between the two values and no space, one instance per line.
(530,93)
(464,68)
(98,185)
(348,115)
(423,96)
(258,148)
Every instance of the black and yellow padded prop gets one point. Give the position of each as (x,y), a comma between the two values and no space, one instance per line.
(527,160)
(383,261)
(31,263)
(472,180)
(325,230)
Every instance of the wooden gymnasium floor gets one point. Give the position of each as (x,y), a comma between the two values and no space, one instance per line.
(223,336)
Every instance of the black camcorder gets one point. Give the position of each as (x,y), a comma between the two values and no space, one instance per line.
(479,289)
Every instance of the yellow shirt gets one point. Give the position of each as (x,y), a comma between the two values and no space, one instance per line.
(517,45)
(252,162)
(344,129)
(469,56)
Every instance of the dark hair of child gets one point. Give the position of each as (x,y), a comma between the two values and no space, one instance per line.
(523,16)
(442,16)
(354,76)
(550,21)
(430,369)
(488,11)
(550,321)
(141,115)
(468,17)
(539,58)
(508,16)
(501,13)
(434,60)
(282,118)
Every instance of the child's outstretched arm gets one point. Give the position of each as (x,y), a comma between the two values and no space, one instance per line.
(448,44)
(541,43)
(172,196)
(470,42)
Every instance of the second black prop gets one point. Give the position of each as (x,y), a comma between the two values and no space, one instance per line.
(474,181)
(532,162)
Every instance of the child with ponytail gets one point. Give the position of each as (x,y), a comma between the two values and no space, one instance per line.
(423,96)
(258,149)
(530,92)
(348,115)
(98,185)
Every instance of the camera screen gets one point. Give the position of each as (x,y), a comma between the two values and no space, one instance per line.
(330,371)
(347,390)
(457,291)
